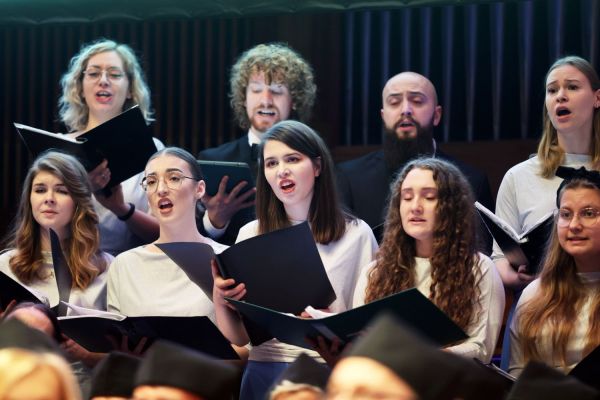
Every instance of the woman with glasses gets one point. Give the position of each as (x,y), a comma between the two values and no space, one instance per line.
(145,281)
(557,319)
(103,80)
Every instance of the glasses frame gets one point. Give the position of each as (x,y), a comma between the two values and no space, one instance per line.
(586,222)
(144,182)
(103,72)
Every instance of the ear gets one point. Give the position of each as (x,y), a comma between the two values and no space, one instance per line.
(597,99)
(200,189)
(381,113)
(317,166)
(437,115)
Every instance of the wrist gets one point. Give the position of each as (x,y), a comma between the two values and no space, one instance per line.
(125,216)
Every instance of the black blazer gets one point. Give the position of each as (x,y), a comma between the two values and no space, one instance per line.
(364,185)
(236,151)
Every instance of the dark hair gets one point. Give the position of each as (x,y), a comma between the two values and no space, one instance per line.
(327,220)
(454,278)
(183,155)
(44,309)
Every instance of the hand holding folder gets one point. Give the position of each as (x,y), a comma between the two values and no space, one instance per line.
(125,141)
(282,270)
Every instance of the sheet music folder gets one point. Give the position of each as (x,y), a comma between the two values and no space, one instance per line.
(525,249)
(12,290)
(410,306)
(125,141)
(214,171)
(282,270)
(198,333)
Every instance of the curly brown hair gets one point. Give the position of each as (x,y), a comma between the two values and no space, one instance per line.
(453,264)
(556,307)
(279,63)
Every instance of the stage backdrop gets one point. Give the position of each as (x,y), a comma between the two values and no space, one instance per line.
(487,59)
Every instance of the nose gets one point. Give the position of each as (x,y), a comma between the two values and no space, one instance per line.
(266,98)
(561,96)
(162,187)
(575,223)
(104,78)
(416,205)
(406,108)
(283,170)
(49,197)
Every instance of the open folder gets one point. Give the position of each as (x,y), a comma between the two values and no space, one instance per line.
(11,290)
(214,171)
(519,249)
(125,141)
(410,306)
(282,270)
(92,331)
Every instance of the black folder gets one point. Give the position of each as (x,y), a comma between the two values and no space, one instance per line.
(198,333)
(12,290)
(282,270)
(409,306)
(125,141)
(588,369)
(214,171)
(525,249)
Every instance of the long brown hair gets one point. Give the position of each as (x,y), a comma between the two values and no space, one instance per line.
(561,295)
(327,220)
(550,154)
(81,247)
(453,272)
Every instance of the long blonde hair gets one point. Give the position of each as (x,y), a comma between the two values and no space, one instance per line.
(81,247)
(555,308)
(550,154)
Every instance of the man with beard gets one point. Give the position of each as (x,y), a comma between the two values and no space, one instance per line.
(269,83)
(410,112)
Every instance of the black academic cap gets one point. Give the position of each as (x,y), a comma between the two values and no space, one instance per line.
(114,375)
(432,373)
(170,364)
(14,333)
(305,370)
(539,381)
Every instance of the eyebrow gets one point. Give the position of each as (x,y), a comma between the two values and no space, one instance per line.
(167,170)
(566,80)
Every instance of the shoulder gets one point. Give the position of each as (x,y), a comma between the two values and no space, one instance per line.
(358,228)
(224,151)
(368,160)
(529,166)
(530,291)
(247,231)
(132,255)
(5,257)
(467,169)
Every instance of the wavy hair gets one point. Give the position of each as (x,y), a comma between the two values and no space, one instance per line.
(81,247)
(549,152)
(454,260)
(17,365)
(327,220)
(561,295)
(279,63)
(73,110)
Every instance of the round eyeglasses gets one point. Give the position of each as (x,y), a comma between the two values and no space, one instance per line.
(95,74)
(173,180)
(587,217)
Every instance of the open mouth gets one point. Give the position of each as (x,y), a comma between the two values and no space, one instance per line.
(562,111)
(287,186)
(267,113)
(165,204)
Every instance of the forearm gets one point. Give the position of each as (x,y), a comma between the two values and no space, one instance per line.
(231,325)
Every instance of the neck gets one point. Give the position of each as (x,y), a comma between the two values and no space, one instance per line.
(45,238)
(180,231)
(97,119)
(587,264)
(298,212)
(424,248)
(574,142)
(258,134)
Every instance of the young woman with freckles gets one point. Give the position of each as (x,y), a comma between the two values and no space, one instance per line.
(295,184)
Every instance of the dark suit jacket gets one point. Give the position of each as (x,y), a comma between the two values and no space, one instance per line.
(364,185)
(237,151)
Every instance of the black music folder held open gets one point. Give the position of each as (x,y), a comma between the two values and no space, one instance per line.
(282,270)
(524,249)
(125,141)
(588,369)
(410,306)
(11,290)
(214,171)
(199,333)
